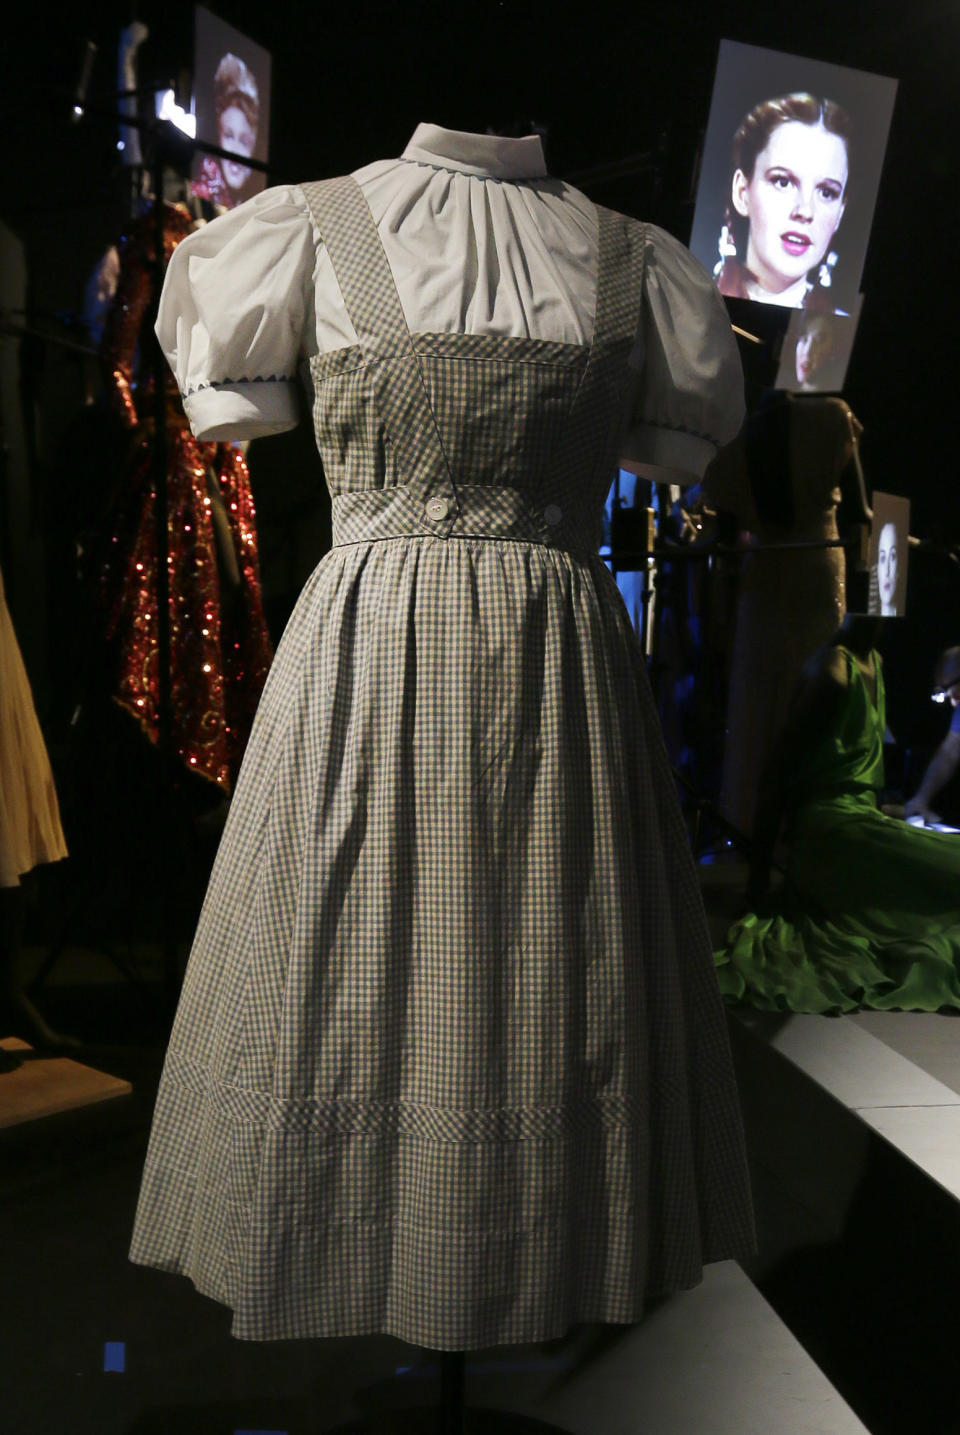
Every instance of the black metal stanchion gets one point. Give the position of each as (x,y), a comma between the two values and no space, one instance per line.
(165,746)
(452,1416)
(452,1382)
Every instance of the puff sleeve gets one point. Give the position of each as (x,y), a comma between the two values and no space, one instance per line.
(236,306)
(689,390)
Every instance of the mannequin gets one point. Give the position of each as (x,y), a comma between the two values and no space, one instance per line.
(946,760)
(427,1030)
(867,914)
(781,479)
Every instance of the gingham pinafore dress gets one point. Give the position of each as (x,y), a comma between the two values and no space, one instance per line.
(450,1061)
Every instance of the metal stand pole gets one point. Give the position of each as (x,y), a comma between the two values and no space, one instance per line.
(452,1380)
(168,773)
(454,1416)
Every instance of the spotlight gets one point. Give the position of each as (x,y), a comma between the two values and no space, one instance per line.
(168,109)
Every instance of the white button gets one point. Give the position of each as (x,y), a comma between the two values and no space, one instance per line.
(437,508)
(553,514)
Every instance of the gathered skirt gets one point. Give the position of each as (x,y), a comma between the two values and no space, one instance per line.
(450,1061)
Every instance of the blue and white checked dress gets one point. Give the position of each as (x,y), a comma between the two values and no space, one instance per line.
(450,1061)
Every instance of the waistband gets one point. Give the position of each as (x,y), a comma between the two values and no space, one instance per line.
(471,512)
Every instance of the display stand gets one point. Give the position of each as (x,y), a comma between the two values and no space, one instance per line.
(451,1417)
(31,1090)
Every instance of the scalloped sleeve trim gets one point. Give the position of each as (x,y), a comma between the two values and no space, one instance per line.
(249,409)
(666,455)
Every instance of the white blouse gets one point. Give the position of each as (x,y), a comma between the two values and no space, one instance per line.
(480,241)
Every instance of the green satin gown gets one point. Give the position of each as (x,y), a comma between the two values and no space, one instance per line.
(869,912)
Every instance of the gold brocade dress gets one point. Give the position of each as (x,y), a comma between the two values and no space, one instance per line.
(791,600)
(220,645)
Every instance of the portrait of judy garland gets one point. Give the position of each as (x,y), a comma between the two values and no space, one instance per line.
(788,179)
(789,182)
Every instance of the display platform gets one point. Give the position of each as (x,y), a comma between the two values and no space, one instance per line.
(858,1059)
(47,1085)
(714,1359)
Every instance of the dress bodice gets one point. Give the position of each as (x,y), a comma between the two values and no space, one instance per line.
(468,435)
(482,247)
(849,756)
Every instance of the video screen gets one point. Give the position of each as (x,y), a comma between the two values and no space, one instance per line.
(888,556)
(816,351)
(231,97)
(789,177)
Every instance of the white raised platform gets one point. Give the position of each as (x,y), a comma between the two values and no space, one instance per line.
(931,1040)
(716,1360)
(916,1112)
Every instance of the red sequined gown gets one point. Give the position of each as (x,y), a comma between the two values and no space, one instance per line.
(220,647)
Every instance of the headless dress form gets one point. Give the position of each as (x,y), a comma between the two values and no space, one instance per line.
(781,480)
(454,893)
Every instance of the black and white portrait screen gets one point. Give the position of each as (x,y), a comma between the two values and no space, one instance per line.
(789,177)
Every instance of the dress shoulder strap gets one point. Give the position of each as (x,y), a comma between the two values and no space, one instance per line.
(599,412)
(345,225)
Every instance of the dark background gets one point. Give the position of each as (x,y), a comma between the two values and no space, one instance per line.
(610,84)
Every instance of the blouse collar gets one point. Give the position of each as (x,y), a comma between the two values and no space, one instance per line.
(490,156)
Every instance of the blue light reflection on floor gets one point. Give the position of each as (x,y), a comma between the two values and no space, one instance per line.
(115,1356)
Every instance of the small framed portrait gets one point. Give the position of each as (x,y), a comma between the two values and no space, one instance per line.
(888,556)
(816,351)
(789,176)
(231,96)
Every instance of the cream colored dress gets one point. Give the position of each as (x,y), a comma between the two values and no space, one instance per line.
(30,831)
